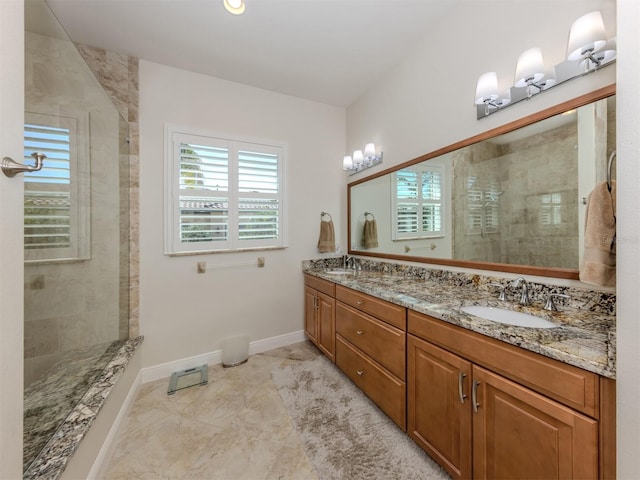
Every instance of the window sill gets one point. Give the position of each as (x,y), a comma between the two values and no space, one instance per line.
(215,252)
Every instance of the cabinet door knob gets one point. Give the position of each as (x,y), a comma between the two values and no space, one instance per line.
(461,377)
(360,372)
(359,302)
(474,396)
(359,332)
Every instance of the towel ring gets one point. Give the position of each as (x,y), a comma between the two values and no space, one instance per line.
(611,157)
(322,214)
(369,213)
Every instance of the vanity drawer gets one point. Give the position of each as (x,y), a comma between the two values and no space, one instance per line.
(320,284)
(572,386)
(393,314)
(383,389)
(382,342)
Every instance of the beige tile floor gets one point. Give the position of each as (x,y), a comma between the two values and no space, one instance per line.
(235,427)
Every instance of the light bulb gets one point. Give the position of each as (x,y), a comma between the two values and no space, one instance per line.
(587,35)
(370,150)
(235,7)
(358,158)
(487,88)
(530,68)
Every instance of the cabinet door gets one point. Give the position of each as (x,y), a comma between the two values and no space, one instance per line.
(439,405)
(326,325)
(310,308)
(518,433)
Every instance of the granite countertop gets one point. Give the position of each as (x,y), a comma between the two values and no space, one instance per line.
(585,336)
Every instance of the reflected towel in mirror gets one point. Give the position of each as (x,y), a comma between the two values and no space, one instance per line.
(370,234)
(598,264)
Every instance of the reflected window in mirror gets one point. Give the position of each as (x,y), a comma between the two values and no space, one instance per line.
(482,209)
(417,204)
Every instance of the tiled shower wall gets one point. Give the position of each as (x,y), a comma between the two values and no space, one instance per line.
(118,75)
(78,304)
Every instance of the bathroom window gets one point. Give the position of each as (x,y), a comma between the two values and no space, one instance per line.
(417,205)
(56,198)
(225,195)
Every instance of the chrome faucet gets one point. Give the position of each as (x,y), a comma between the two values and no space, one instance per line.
(524,298)
(346,260)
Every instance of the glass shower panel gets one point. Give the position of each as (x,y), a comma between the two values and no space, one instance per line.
(76,228)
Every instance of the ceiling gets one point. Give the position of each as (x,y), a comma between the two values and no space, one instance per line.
(328,51)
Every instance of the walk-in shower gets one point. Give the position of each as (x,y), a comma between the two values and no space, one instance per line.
(76,238)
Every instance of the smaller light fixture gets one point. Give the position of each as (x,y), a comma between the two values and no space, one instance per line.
(487,93)
(235,7)
(358,158)
(362,160)
(587,36)
(530,71)
(369,153)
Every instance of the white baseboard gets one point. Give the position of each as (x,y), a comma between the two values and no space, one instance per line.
(164,370)
(105,451)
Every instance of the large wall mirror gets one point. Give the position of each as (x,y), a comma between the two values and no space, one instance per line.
(512,199)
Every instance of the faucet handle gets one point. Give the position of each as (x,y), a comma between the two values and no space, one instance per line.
(550,305)
(502,296)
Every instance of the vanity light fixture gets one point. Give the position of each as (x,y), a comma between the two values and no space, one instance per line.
(487,93)
(588,49)
(362,160)
(530,71)
(235,7)
(586,37)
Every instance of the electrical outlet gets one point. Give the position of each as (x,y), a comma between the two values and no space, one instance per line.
(260,262)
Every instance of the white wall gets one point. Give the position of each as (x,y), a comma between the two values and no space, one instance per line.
(11,246)
(183,313)
(427,103)
(628,275)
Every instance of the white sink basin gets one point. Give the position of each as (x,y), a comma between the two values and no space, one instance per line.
(339,272)
(510,317)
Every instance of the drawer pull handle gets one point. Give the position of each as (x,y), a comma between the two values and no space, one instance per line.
(461,377)
(474,396)
(360,332)
(360,372)
(360,302)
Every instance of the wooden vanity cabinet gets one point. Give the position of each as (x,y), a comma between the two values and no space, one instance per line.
(319,314)
(438,405)
(485,417)
(371,349)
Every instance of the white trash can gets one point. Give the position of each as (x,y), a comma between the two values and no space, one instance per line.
(235,350)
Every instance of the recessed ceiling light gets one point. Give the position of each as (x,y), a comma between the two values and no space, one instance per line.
(236,7)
